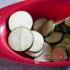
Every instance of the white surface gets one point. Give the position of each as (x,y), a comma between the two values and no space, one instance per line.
(38,42)
(34,54)
(4,3)
(20,18)
(20,39)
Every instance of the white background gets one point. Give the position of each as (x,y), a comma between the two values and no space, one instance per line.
(4,3)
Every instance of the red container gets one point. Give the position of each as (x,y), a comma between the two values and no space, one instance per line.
(51,9)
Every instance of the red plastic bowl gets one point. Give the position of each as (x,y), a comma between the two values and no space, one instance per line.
(51,9)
